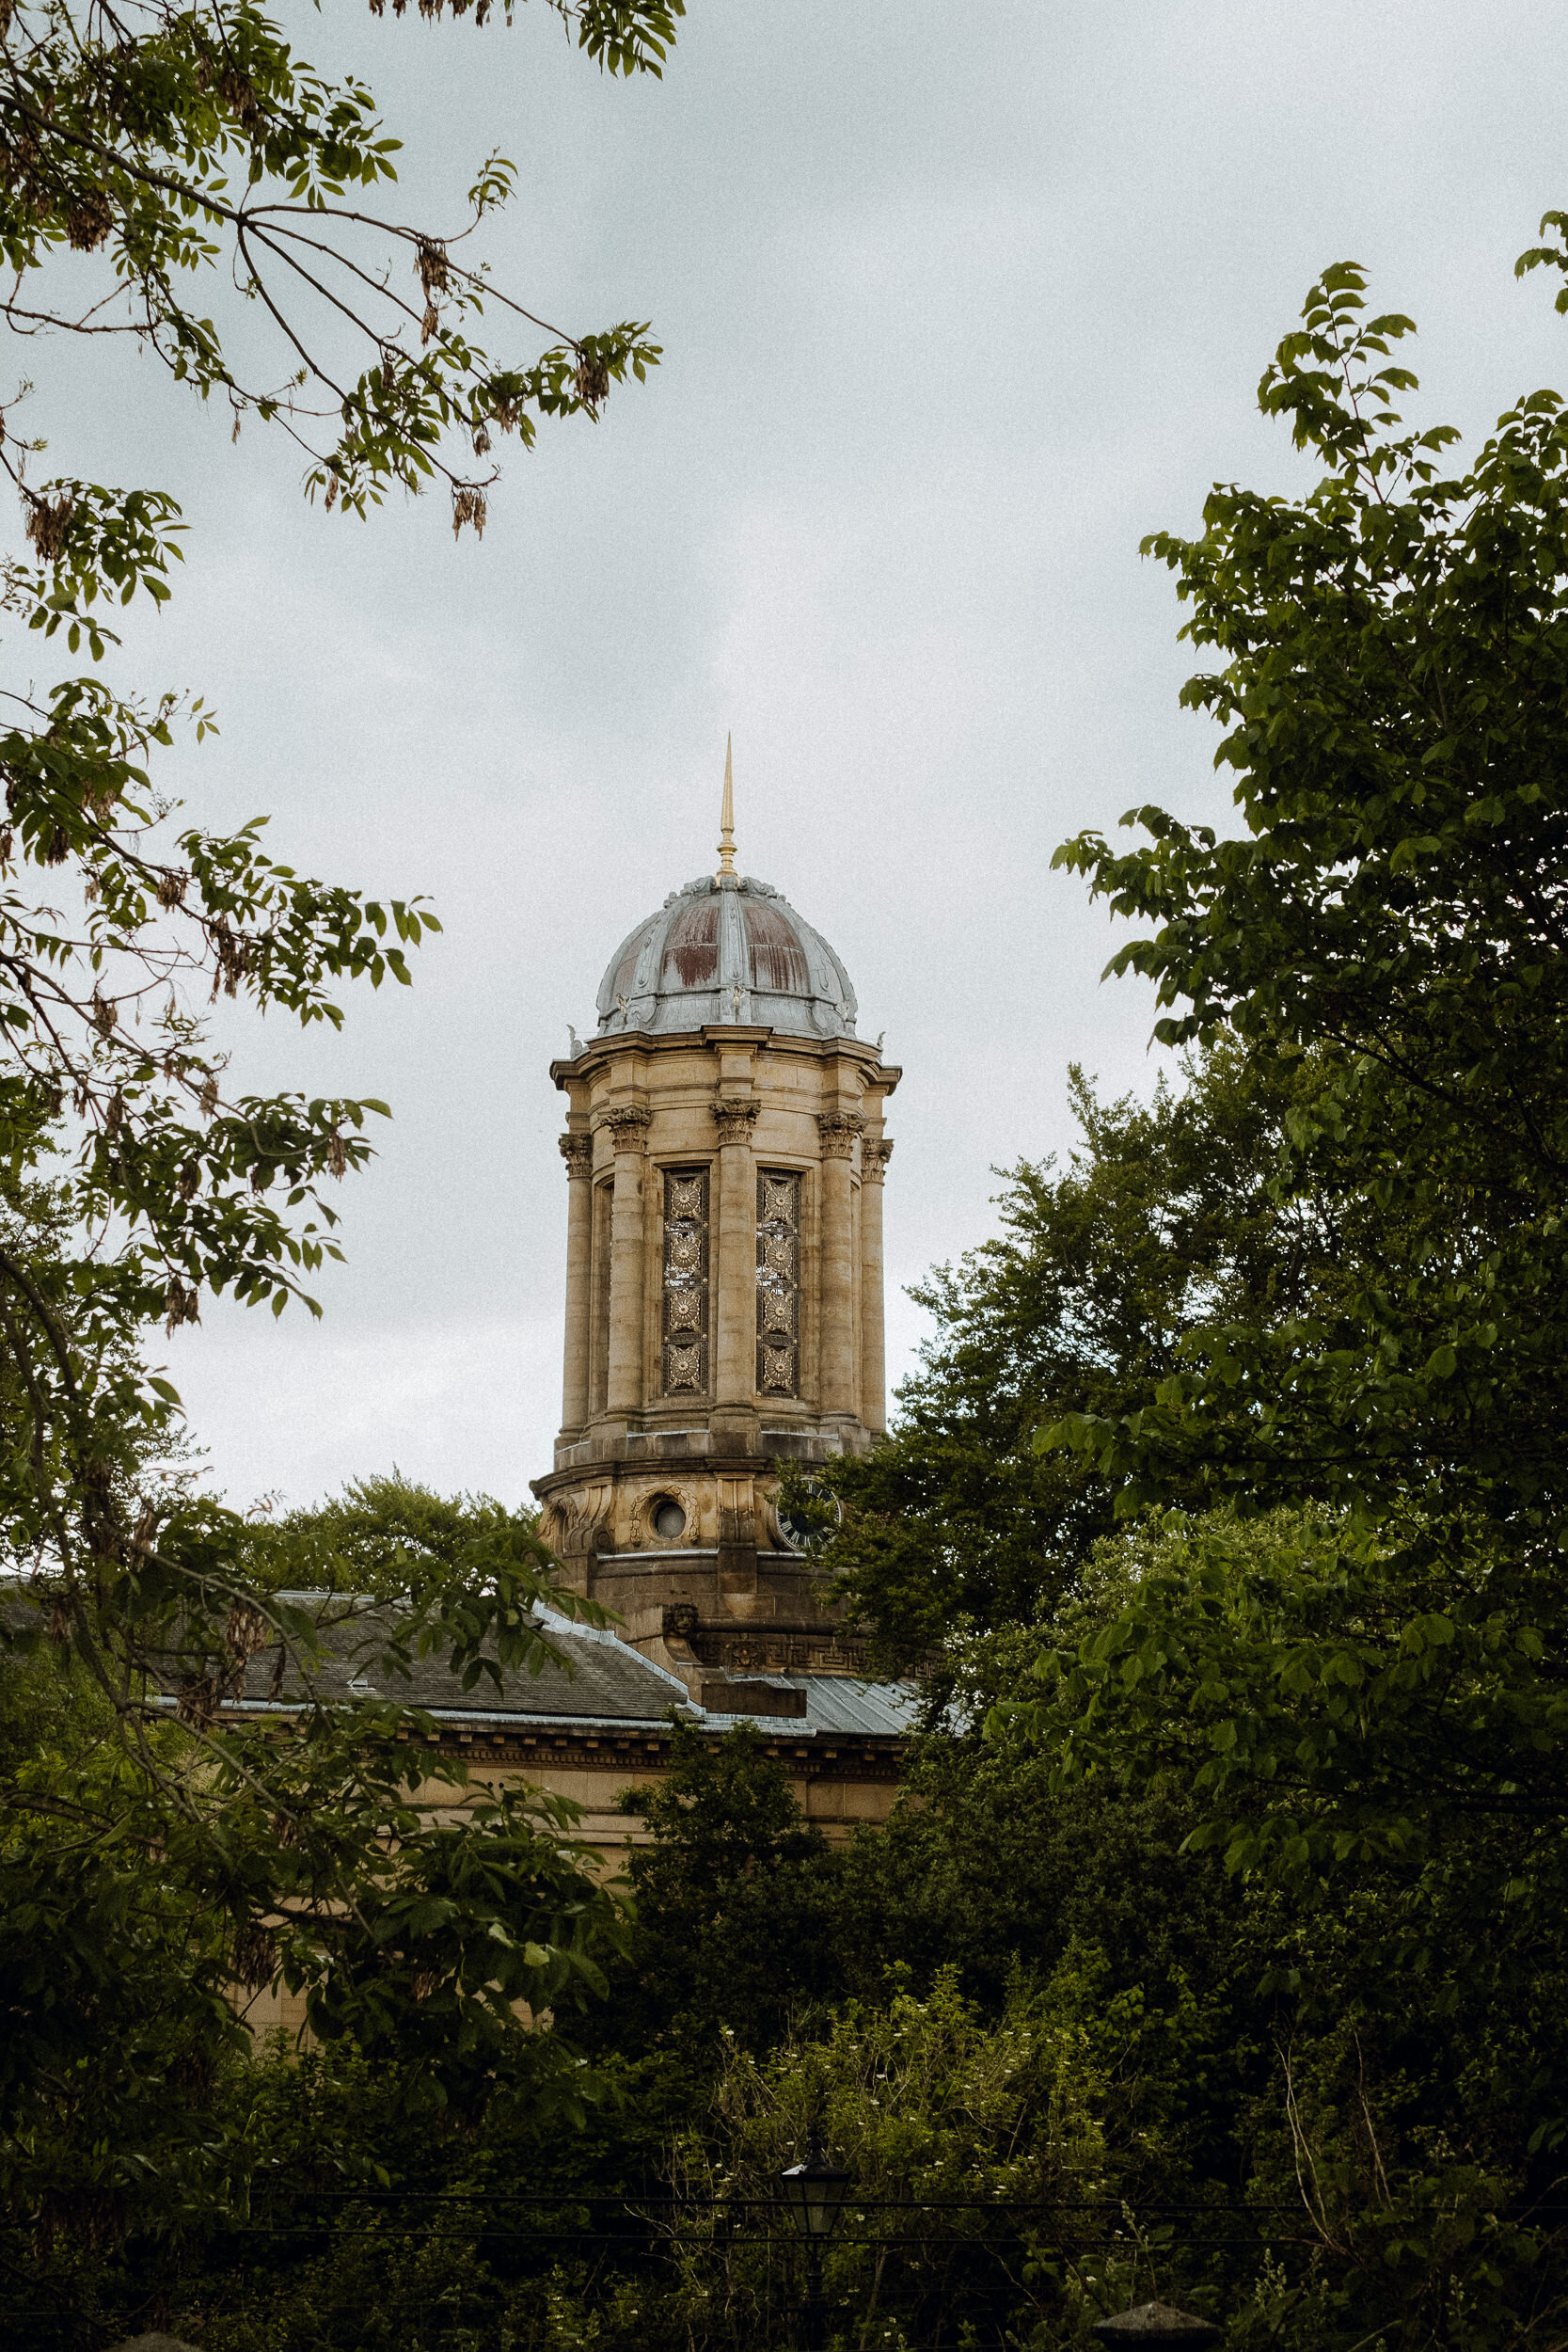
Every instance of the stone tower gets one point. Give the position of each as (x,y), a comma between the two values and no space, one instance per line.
(724,1154)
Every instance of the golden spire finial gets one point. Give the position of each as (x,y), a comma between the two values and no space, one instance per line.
(726,816)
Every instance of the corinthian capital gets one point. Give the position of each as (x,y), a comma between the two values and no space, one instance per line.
(628,1128)
(735,1119)
(874,1160)
(578,1152)
(838,1130)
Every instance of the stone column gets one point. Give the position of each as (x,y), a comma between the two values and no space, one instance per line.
(874,1160)
(838,1131)
(735,1289)
(578,1152)
(630,1133)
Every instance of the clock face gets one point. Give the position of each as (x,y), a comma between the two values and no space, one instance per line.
(805,1529)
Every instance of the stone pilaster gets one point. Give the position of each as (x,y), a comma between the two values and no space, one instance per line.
(735,1291)
(629,1131)
(875,1156)
(736,1563)
(578,1152)
(838,1131)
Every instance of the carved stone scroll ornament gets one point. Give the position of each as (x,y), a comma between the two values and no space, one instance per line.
(874,1160)
(578,1152)
(735,1119)
(583,1524)
(838,1131)
(628,1128)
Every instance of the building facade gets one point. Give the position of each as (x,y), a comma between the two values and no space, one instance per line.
(725,1152)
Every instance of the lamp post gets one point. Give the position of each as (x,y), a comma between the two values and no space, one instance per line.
(814,2198)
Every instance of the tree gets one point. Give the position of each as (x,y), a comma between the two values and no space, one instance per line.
(146,151)
(1395,662)
(1165,1218)
(160,1864)
(1385,1678)
(1385,1992)
(120,136)
(736,1898)
(384,1533)
(1339,1628)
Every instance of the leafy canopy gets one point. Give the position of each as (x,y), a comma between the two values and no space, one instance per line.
(1381,1676)
(1167,1218)
(1393,667)
(182,178)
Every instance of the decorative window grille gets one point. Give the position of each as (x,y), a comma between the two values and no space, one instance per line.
(685,1344)
(778,1282)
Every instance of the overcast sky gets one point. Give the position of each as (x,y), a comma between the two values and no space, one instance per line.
(957,301)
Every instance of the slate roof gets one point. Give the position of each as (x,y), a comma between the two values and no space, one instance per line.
(603,1684)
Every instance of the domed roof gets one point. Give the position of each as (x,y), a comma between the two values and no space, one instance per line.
(726,949)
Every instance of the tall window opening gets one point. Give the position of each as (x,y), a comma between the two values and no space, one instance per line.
(778,1282)
(685,1342)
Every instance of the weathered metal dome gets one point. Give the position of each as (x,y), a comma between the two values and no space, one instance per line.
(726,949)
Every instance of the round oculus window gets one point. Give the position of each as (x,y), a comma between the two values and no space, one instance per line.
(669,1519)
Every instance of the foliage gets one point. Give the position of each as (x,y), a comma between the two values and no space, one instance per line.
(1394,658)
(163,1863)
(919,2102)
(158,1851)
(1323,1702)
(1336,1638)
(385,1534)
(1166,1218)
(119,140)
(357,2223)
(736,1905)
(1383,1676)
(1111,2059)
